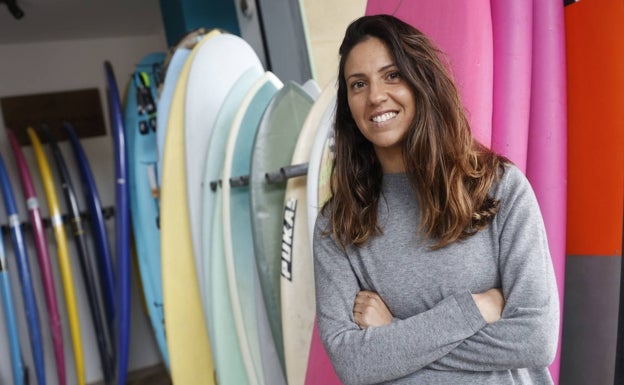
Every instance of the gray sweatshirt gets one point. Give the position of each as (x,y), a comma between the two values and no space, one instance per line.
(438,335)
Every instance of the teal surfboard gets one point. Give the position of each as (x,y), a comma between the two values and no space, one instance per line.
(141,116)
(273,148)
(227,353)
(247,302)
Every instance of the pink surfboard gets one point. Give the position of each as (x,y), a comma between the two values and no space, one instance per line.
(512,26)
(547,145)
(463,31)
(45,262)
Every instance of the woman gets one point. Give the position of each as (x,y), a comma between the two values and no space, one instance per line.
(431,259)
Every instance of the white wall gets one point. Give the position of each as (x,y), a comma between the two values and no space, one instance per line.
(62,66)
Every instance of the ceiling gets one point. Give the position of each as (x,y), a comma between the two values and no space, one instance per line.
(46,20)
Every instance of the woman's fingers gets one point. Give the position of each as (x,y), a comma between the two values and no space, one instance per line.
(370,310)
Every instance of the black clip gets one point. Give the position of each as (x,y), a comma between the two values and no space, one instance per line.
(286,173)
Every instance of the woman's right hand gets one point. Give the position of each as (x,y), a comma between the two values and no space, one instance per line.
(490,304)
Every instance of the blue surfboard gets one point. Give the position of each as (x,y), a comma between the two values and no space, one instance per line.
(98,226)
(9,317)
(28,292)
(141,117)
(122,224)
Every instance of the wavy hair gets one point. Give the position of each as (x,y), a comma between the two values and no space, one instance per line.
(449,171)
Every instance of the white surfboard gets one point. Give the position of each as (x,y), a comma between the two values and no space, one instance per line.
(217,65)
(297,275)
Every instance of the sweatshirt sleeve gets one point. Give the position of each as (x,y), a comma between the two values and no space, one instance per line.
(527,334)
(385,353)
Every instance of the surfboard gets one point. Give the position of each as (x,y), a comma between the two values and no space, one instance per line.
(190,357)
(122,224)
(208,83)
(312,88)
(171,71)
(88,270)
(99,232)
(164,102)
(141,117)
(320,369)
(225,345)
(17,364)
(247,302)
(272,149)
(463,31)
(512,42)
(547,144)
(297,277)
(317,152)
(62,253)
(25,276)
(43,257)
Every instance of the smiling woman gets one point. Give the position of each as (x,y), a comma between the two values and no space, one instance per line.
(431,258)
(381,102)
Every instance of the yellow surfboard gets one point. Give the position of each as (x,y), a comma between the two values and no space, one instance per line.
(63,254)
(188,344)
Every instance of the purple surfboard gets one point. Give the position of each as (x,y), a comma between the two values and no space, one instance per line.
(547,145)
(512,25)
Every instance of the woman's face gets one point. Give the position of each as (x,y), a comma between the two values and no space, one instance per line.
(381,102)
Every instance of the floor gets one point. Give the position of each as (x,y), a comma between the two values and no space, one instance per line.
(155,375)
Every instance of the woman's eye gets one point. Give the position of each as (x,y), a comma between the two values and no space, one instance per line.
(358,84)
(394,75)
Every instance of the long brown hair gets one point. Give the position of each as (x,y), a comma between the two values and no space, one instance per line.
(450,172)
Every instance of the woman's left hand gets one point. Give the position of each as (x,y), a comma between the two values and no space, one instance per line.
(370,310)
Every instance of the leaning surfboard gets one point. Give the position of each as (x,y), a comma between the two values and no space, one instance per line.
(318,152)
(247,302)
(320,369)
(217,64)
(17,364)
(547,144)
(100,236)
(62,252)
(297,276)
(171,71)
(25,276)
(141,117)
(41,246)
(273,146)
(89,272)
(225,345)
(122,225)
(512,24)
(190,357)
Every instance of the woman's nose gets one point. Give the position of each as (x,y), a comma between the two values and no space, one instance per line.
(377,93)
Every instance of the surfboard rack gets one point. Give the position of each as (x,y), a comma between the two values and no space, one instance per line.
(215,184)
(282,175)
(108,213)
(286,173)
(239,181)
